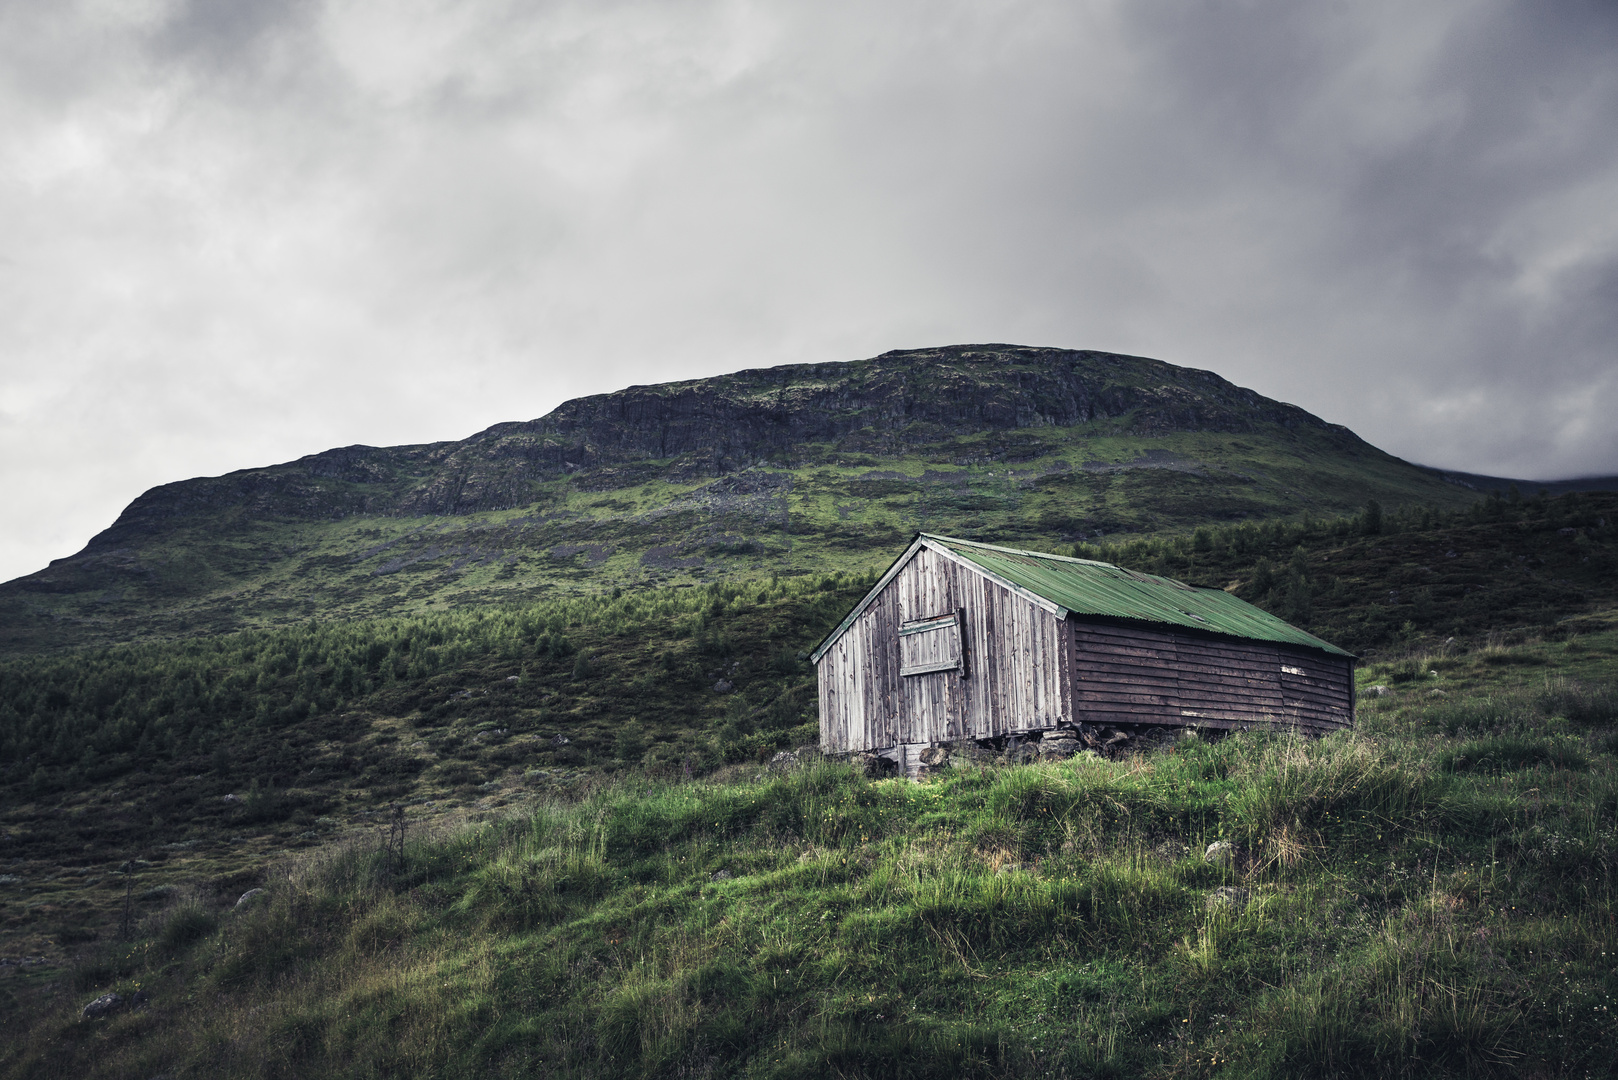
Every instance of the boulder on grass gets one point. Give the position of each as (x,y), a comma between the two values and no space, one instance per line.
(1059,745)
(103,1006)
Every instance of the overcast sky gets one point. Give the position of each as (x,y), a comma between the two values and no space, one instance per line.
(233,233)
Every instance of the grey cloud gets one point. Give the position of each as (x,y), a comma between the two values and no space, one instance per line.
(221,33)
(244,232)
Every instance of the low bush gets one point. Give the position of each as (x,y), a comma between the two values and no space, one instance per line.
(1511,753)
(1580,702)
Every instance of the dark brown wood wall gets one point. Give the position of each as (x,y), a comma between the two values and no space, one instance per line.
(1018,656)
(1143,675)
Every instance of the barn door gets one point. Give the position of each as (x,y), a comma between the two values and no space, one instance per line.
(932,660)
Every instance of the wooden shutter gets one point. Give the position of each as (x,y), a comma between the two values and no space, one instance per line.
(932,644)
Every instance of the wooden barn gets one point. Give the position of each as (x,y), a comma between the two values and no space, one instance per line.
(961,640)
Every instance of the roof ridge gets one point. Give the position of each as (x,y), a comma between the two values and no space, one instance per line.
(1018,551)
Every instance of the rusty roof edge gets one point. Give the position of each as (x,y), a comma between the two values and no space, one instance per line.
(859,609)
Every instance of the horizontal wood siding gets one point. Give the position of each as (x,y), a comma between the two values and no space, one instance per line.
(1323,693)
(1142,675)
(1122,675)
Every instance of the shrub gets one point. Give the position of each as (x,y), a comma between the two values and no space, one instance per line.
(185,924)
(1579,702)
(1510,753)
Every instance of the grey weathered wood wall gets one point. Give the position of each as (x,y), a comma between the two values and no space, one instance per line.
(1017,659)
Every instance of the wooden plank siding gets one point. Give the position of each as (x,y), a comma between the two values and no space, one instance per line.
(1024,667)
(1017,659)
(1125,674)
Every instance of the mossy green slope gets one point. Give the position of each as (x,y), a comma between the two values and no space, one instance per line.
(1415,898)
(124,753)
(785,470)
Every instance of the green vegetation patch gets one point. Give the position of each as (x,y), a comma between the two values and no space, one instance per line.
(1382,910)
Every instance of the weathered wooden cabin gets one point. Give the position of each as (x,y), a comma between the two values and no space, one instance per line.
(961,640)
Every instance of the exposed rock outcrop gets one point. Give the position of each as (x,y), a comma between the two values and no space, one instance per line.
(724,425)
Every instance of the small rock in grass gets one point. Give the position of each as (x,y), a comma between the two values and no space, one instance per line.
(1061,746)
(872,765)
(1015,868)
(1220,853)
(249,896)
(1229,896)
(1379,690)
(933,755)
(784,759)
(105,1005)
(720,875)
(1171,850)
(723,686)
(231,798)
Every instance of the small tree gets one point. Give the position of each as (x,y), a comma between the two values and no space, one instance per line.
(1371,518)
(630,744)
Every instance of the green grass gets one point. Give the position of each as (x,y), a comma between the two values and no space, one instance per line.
(123,757)
(230,569)
(202,758)
(1430,895)
(1399,914)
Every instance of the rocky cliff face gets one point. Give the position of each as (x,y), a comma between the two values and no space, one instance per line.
(708,428)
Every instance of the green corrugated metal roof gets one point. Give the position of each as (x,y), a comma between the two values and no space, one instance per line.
(1086,587)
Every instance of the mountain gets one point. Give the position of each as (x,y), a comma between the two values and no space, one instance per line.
(1485,484)
(779,470)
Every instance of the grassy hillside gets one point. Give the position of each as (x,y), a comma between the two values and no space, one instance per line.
(1430,895)
(124,756)
(574,773)
(229,566)
(1379,579)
